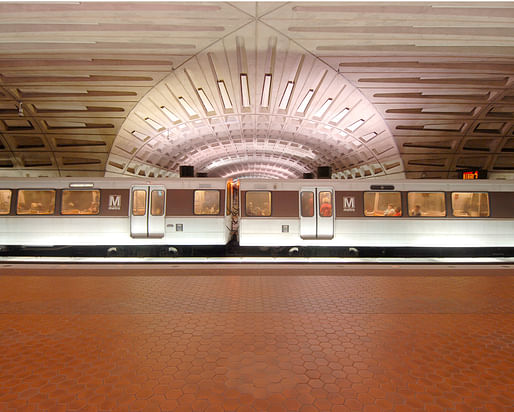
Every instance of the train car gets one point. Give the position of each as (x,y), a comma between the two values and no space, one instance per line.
(377,213)
(114,212)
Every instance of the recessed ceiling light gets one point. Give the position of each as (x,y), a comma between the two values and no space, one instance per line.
(245,91)
(286,96)
(339,116)
(266,90)
(186,107)
(354,126)
(224,94)
(167,112)
(139,135)
(154,124)
(205,101)
(305,101)
(323,108)
(369,136)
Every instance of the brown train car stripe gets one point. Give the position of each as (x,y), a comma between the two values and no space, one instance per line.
(284,203)
(180,202)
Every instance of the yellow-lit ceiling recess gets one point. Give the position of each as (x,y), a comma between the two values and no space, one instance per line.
(256,89)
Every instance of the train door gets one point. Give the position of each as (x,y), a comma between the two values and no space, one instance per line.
(316,213)
(147,217)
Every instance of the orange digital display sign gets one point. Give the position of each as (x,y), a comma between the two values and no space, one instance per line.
(473,174)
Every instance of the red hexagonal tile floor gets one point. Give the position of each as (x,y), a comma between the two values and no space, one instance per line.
(290,339)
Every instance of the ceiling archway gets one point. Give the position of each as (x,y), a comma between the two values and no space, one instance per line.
(255,102)
(433,80)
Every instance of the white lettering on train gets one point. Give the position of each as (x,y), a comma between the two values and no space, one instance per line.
(348,204)
(114,202)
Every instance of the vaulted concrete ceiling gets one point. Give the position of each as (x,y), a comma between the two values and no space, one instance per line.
(256,89)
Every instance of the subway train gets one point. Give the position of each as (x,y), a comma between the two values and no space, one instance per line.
(215,216)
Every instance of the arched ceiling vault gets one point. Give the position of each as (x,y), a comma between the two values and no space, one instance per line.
(256,89)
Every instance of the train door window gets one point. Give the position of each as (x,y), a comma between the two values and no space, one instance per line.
(325,204)
(36,202)
(470,204)
(5,201)
(258,204)
(157,198)
(139,202)
(426,204)
(80,202)
(207,202)
(307,204)
(382,204)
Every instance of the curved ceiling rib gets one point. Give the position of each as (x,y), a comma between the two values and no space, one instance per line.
(260,98)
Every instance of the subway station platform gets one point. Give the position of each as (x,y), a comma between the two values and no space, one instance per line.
(267,337)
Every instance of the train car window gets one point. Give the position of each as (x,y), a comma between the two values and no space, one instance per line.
(325,204)
(5,202)
(426,204)
(307,204)
(207,202)
(157,198)
(139,202)
(36,202)
(387,204)
(258,203)
(470,204)
(80,202)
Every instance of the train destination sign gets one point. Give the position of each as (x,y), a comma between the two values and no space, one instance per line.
(473,174)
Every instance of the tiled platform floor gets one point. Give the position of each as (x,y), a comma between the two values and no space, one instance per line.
(321,340)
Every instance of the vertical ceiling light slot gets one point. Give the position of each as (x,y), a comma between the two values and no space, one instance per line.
(339,116)
(354,126)
(284,102)
(171,115)
(369,136)
(205,101)
(305,101)
(225,97)
(323,108)
(139,135)
(189,110)
(245,90)
(154,124)
(266,90)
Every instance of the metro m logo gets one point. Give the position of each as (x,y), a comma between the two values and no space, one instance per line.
(114,202)
(348,204)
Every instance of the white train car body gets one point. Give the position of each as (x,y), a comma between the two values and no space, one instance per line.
(434,213)
(115,211)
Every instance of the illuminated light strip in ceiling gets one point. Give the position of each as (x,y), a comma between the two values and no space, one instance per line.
(245,91)
(323,108)
(338,117)
(266,90)
(263,153)
(247,159)
(171,116)
(186,107)
(225,97)
(369,136)
(305,101)
(273,174)
(209,108)
(354,126)
(139,135)
(284,102)
(154,124)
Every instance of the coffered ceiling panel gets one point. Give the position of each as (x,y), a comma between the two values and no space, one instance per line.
(415,89)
